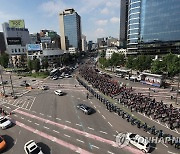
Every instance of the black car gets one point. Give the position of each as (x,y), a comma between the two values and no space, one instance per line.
(24,85)
(84,108)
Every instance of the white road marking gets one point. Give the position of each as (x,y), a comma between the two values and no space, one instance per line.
(55,131)
(36,124)
(58,118)
(29,121)
(94,146)
(67,135)
(164,145)
(103,117)
(91,102)
(41,113)
(46,127)
(84,100)
(102,132)
(22,118)
(98,111)
(15,141)
(23,104)
(32,103)
(34,111)
(49,116)
(72,96)
(80,140)
(15,115)
(109,124)
(110,152)
(67,121)
(27,104)
(78,125)
(6,107)
(90,128)
(78,98)
(148,132)
(171,152)
(94,106)
(117,132)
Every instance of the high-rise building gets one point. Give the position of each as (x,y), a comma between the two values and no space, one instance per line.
(123,22)
(152,26)
(84,43)
(70,29)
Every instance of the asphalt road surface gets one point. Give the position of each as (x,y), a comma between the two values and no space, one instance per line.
(59,128)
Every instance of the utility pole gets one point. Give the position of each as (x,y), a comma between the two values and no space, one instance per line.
(177,90)
(2,82)
(12,86)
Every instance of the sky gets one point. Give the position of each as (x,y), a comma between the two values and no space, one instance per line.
(99,18)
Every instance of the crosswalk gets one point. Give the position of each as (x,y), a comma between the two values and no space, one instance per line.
(24,103)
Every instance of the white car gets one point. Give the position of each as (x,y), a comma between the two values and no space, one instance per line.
(31,148)
(58,92)
(66,75)
(138,141)
(55,78)
(4,122)
(60,77)
(44,87)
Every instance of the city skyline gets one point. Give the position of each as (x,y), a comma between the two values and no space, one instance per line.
(99,18)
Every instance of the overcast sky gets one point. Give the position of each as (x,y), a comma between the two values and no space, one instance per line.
(99,18)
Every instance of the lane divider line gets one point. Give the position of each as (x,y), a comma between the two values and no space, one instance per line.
(79,132)
(49,137)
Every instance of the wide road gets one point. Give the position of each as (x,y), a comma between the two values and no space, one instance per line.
(58,127)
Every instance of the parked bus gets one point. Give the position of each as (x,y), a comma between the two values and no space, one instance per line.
(152,79)
(122,73)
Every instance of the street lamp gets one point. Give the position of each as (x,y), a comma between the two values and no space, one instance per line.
(177,90)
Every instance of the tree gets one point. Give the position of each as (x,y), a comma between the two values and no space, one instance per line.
(130,62)
(4,60)
(45,63)
(157,67)
(36,65)
(30,65)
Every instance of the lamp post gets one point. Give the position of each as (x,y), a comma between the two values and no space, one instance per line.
(177,90)
(2,82)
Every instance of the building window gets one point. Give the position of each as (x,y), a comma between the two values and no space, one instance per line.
(19,50)
(12,50)
(15,50)
(23,50)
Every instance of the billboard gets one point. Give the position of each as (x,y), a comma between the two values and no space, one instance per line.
(16,24)
(33,47)
(13,40)
(45,40)
(52,34)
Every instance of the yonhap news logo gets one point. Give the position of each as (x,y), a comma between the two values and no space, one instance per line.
(121,140)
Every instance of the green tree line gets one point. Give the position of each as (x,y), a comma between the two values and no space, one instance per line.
(169,64)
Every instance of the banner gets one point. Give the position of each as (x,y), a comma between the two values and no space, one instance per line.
(13,40)
(33,47)
(16,24)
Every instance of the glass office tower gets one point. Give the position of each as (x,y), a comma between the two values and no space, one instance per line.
(154,25)
(70,29)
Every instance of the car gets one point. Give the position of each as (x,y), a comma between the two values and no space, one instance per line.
(84,108)
(138,141)
(2,144)
(4,122)
(66,75)
(59,92)
(127,77)
(44,87)
(3,82)
(55,78)
(60,77)
(32,148)
(24,84)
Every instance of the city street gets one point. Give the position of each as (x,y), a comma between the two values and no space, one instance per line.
(58,127)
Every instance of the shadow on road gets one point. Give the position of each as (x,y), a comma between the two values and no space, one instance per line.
(9,142)
(45,148)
